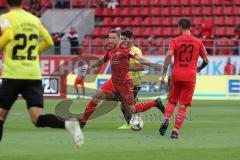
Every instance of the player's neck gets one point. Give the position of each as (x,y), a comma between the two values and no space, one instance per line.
(186,32)
(15,8)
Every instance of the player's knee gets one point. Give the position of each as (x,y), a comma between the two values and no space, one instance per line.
(132,110)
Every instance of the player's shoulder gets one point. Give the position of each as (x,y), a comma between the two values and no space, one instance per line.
(136,50)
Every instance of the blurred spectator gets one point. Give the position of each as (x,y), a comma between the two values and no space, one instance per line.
(236,40)
(62,4)
(112,4)
(152,44)
(102,3)
(229,69)
(206,34)
(73,39)
(35,7)
(57,43)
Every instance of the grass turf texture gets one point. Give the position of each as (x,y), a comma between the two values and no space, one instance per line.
(212,134)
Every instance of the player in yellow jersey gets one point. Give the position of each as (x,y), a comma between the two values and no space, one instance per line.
(21,32)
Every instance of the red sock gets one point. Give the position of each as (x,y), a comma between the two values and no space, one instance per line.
(142,107)
(88,111)
(180,117)
(169,110)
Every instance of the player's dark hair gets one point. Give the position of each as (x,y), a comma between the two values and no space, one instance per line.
(118,32)
(14,3)
(127,34)
(184,23)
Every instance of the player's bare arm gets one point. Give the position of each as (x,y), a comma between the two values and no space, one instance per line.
(157,67)
(167,62)
(98,63)
(137,67)
(203,65)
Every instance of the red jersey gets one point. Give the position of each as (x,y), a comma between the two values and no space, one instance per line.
(119,60)
(230,69)
(186,49)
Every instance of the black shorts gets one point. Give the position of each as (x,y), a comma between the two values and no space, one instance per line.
(31,91)
(136,89)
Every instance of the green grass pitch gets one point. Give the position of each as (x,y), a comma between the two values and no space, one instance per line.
(212,134)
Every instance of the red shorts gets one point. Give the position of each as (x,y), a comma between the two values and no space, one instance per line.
(125,92)
(79,81)
(182,92)
(108,87)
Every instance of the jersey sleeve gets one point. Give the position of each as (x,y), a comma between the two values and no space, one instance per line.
(7,32)
(106,57)
(172,46)
(203,52)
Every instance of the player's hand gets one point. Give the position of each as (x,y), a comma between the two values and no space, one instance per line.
(198,70)
(163,79)
(157,67)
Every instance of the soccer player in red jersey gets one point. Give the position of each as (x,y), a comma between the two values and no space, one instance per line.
(120,83)
(186,50)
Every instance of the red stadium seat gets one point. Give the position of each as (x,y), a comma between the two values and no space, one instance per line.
(116,12)
(187,11)
(156,11)
(106,31)
(76,4)
(165,2)
(220,31)
(167,21)
(146,11)
(207,2)
(177,11)
(138,31)
(147,21)
(97,31)
(231,20)
(126,11)
(97,42)
(98,11)
(169,31)
(145,3)
(136,3)
(207,11)
(107,12)
(229,11)
(218,11)
(137,21)
(186,2)
(86,42)
(230,31)
(197,11)
(218,2)
(125,3)
(158,21)
(127,21)
(156,3)
(107,21)
(136,12)
(175,3)
(147,31)
(220,20)
(166,11)
(117,21)
(197,2)
(158,31)
(198,20)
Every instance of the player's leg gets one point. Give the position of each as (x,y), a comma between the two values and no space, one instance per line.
(8,95)
(173,97)
(185,100)
(76,87)
(91,106)
(83,87)
(106,89)
(32,92)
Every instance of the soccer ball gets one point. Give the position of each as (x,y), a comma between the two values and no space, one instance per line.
(136,123)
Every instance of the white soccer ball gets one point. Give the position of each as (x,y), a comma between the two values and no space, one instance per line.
(136,123)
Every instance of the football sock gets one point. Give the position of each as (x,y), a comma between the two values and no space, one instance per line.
(182,111)
(88,111)
(127,115)
(50,120)
(1,129)
(169,110)
(142,107)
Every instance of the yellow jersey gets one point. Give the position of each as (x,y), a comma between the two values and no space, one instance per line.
(135,75)
(21,33)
